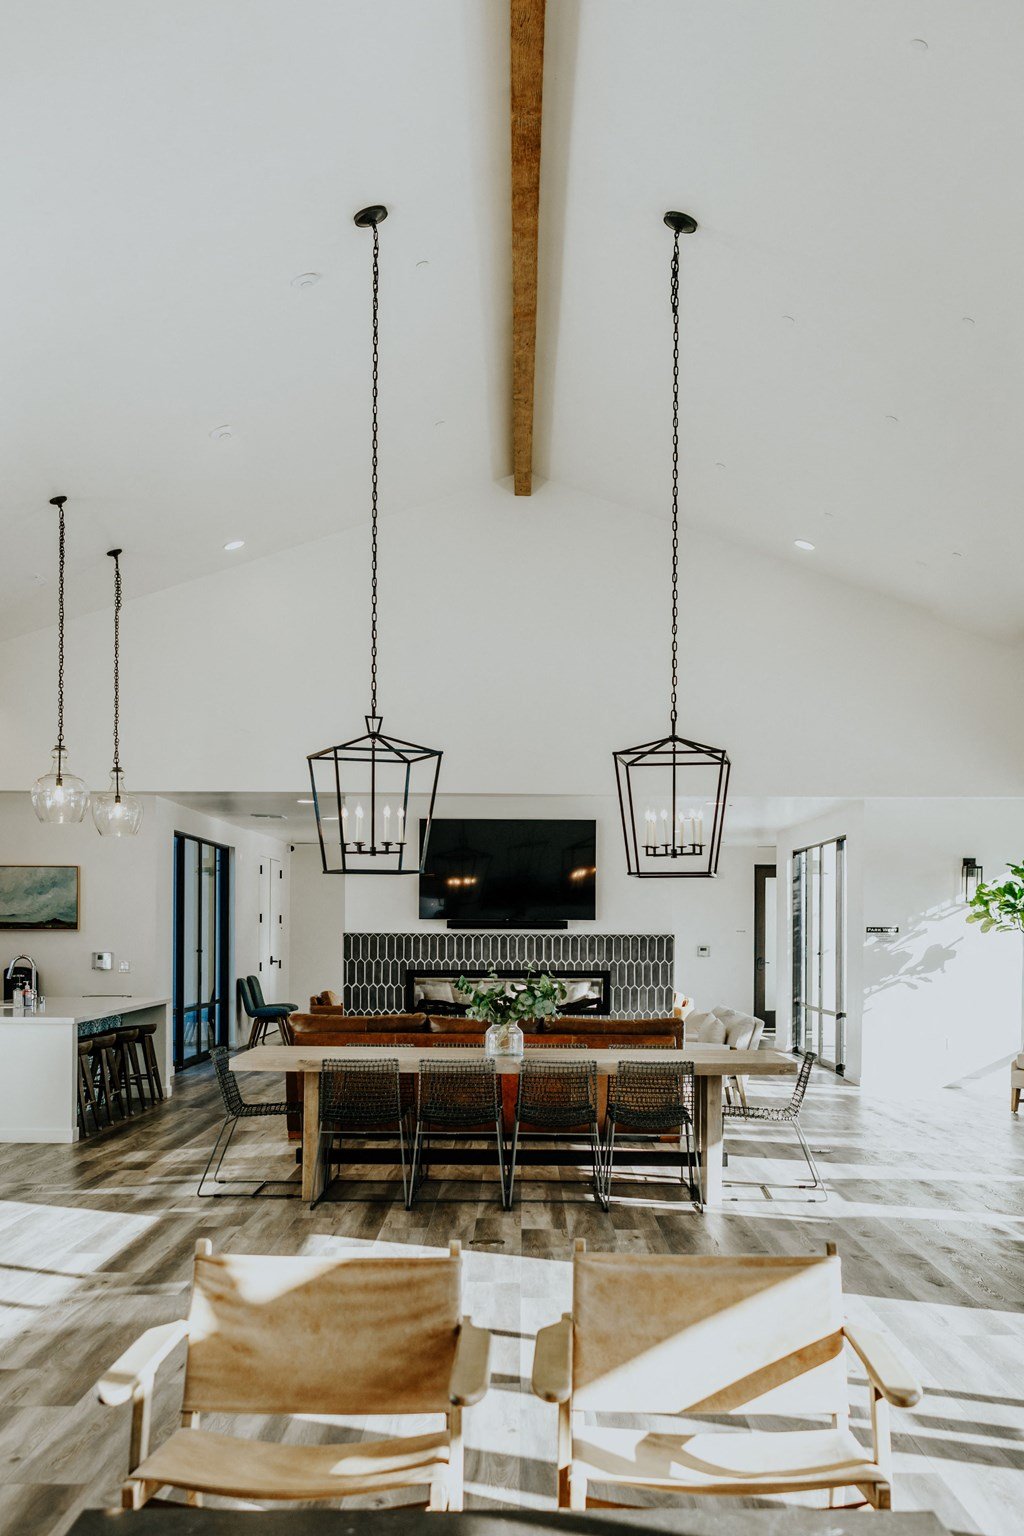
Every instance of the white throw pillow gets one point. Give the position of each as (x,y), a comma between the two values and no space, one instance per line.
(710,1031)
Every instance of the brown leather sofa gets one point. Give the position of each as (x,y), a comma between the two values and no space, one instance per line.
(329,1027)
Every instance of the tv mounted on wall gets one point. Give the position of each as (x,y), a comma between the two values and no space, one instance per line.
(500,873)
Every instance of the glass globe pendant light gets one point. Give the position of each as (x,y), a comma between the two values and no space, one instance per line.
(363,789)
(672,791)
(115,813)
(60,796)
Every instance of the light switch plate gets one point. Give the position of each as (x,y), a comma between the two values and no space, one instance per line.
(125,965)
(703,951)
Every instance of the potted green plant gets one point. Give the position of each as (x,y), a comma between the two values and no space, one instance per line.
(500,1005)
(999,904)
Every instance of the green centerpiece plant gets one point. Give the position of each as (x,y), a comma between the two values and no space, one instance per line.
(502,1004)
(999,904)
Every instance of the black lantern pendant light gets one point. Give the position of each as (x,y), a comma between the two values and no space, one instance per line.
(116,813)
(60,796)
(363,789)
(672,791)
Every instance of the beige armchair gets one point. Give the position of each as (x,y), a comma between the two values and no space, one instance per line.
(344,1336)
(688,1337)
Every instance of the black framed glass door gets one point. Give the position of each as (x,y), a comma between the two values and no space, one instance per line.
(819,951)
(202,948)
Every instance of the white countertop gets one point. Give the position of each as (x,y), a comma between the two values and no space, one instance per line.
(79,1010)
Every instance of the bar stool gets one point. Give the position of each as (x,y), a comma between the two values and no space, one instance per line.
(131,1070)
(150,1063)
(104,1070)
(86,1091)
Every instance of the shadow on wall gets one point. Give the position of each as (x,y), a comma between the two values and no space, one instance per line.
(904,963)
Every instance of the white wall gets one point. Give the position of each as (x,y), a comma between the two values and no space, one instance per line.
(317,925)
(715,912)
(941,999)
(126,896)
(528,638)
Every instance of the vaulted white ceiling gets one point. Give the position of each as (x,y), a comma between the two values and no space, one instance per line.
(852,331)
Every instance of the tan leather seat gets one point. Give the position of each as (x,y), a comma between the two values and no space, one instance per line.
(260,1469)
(741,1462)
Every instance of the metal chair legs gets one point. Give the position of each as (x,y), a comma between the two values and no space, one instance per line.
(818,1181)
(421,1162)
(686,1177)
(230,1125)
(330,1140)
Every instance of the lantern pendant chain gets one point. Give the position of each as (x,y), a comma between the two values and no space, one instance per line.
(675,477)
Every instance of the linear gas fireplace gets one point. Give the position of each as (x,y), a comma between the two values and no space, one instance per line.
(626,975)
(435,991)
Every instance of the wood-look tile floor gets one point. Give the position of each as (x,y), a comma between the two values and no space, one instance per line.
(926,1205)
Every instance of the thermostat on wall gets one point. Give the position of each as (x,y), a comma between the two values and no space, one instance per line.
(102,960)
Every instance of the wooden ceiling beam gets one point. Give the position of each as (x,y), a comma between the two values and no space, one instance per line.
(527,81)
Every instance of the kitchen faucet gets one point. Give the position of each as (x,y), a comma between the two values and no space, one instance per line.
(35,973)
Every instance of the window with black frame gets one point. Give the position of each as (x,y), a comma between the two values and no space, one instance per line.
(202,948)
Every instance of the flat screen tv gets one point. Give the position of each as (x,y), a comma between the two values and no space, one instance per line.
(509,872)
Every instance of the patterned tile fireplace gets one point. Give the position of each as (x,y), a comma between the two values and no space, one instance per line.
(639,965)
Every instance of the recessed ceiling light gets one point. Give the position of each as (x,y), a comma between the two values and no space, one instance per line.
(423,263)
(803,543)
(303,802)
(968,319)
(234,544)
(223,431)
(919,44)
(719,464)
(892,418)
(306,280)
(790,318)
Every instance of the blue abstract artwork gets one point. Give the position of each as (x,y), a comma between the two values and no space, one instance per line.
(38,896)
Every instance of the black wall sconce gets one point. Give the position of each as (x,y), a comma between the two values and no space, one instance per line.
(973,874)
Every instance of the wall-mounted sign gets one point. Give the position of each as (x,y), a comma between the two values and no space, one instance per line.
(887,932)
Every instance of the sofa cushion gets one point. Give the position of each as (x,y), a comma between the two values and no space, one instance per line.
(331,1025)
(710,1030)
(600,1024)
(742,1030)
(454,1024)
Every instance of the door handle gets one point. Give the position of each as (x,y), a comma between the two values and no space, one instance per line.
(761,963)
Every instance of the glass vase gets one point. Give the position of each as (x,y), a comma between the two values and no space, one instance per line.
(503,1040)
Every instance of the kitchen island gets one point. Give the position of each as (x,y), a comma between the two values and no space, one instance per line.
(40,1052)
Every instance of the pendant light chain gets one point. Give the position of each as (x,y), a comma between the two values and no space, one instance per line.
(674,296)
(117,677)
(60,644)
(373,482)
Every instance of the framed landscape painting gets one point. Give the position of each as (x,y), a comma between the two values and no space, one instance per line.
(39,896)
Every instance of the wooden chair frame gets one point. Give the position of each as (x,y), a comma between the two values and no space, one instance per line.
(132,1378)
(890,1379)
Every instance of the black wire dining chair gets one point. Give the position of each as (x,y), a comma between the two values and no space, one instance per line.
(237,1109)
(462,1101)
(785,1114)
(365,1101)
(648,1098)
(557,1097)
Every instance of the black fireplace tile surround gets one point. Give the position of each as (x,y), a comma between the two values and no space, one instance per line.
(640,965)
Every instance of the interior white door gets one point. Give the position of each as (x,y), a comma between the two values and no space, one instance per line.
(272,937)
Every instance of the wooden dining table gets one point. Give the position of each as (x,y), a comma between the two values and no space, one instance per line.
(712,1064)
